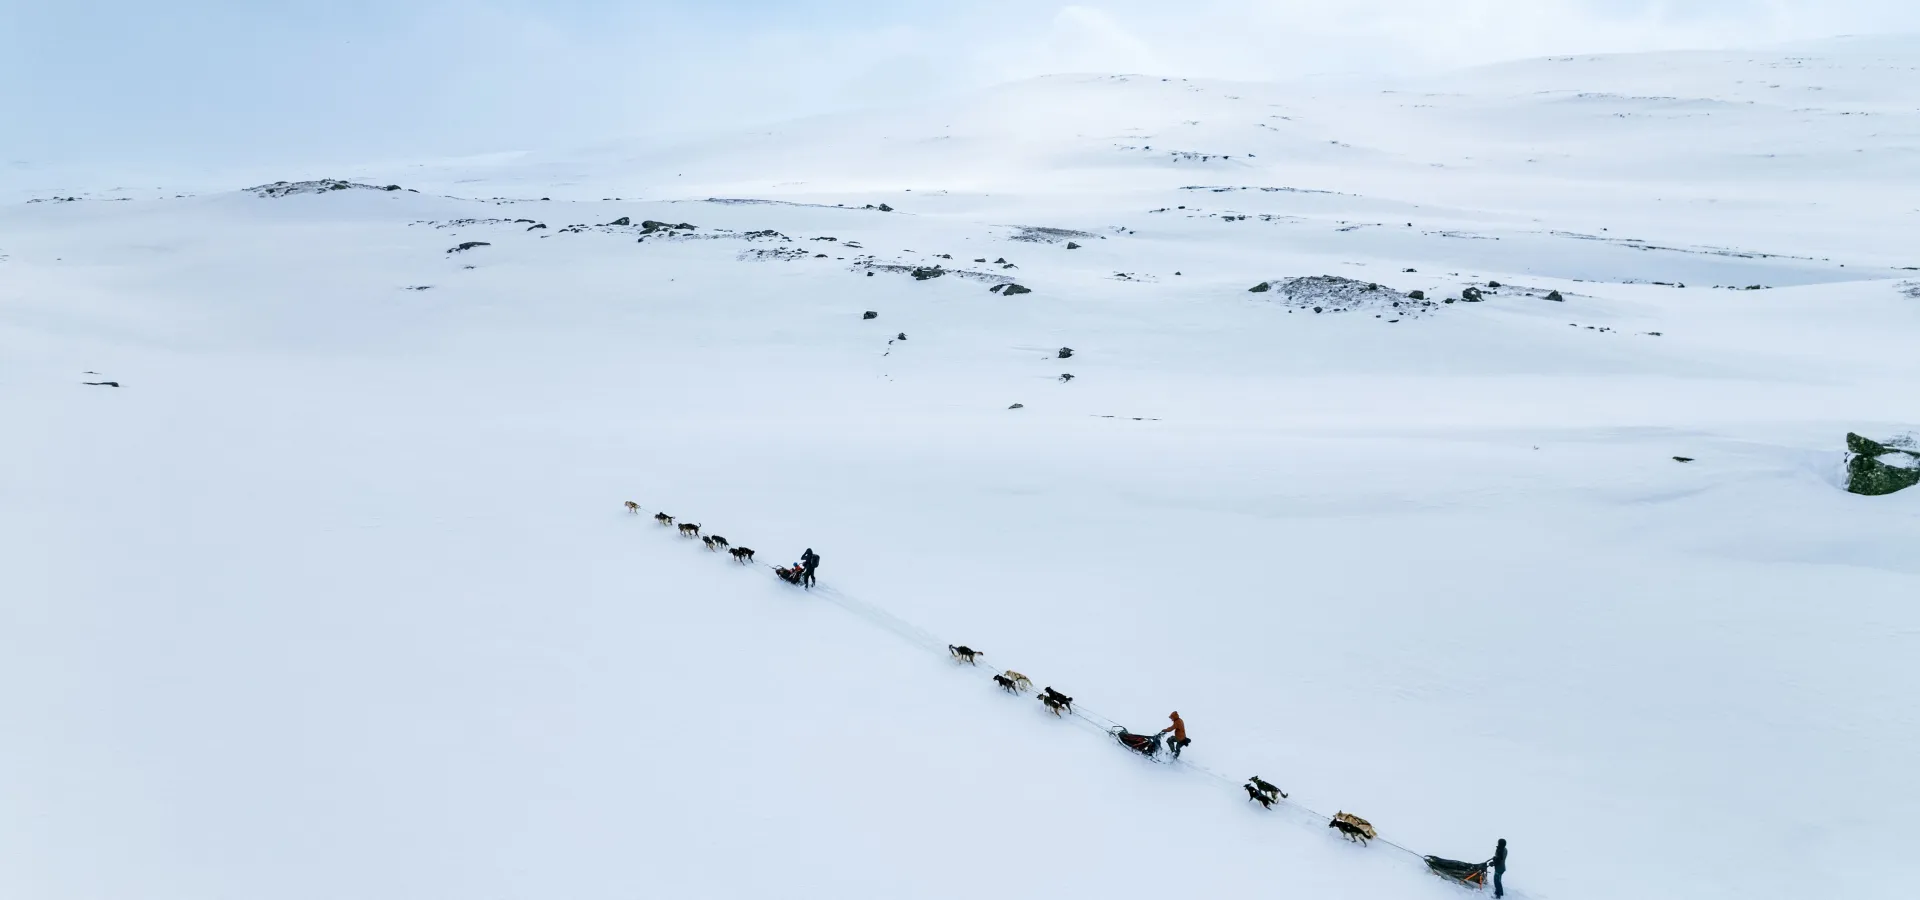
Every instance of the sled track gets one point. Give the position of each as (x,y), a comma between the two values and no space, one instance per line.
(925,640)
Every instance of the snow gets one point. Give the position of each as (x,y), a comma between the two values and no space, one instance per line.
(334,596)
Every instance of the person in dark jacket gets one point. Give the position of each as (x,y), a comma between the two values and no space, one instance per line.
(809,561)
(1499,863)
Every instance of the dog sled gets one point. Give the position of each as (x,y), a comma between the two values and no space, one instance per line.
(788,574)
(1147,745)
(1472,875)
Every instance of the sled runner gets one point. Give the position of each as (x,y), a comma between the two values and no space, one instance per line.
(1470,874)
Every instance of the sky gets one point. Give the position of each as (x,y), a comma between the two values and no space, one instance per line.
(227,82)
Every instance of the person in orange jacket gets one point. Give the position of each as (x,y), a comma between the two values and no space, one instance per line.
(1179,729)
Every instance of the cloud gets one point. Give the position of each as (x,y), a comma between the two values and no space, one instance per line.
(228,80)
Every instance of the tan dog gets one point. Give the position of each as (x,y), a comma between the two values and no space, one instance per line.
(1020,682)
(633,507)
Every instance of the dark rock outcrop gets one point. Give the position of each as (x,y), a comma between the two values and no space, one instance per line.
(1072,246)
(922,273)
(1066,353)
(1261,288)
(1555,297)
(1875,468)
(1472,295)
(469,245)
(869,314)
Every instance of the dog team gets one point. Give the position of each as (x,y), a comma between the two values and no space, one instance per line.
(1350,826)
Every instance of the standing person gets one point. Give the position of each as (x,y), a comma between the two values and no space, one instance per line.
(809,561)
(1179,729)
(1499,862)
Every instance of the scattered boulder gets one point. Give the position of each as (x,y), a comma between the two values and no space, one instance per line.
(1002,261)
(981,259)
(1009,289)
(901,336)
(391,187)
(1072,246)
(922,273)
(1472,295)
(113,384)
(623,220)
(869,314)
(884,208)
(1018,406)
(538,227)
(1493,284)
(1066,353)
(1875,468)
(1066,377)
(1555,297)
(1416,295)
(1683,459)
(1261,288)
(469,245)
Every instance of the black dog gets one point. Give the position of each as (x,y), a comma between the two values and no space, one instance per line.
(1006,684)
(720,542)
(965,654)
(1265,788)
(1056,701)
(743,554)
(1256,794)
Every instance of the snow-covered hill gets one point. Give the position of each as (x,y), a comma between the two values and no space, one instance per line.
(334,596)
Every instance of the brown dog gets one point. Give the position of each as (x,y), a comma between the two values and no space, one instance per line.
(1352,827)
(1020,682)
(633,507)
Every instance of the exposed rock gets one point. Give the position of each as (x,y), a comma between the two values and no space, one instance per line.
(538,227)
(469,245)
(1066,353)
(1072,246)
(1416,295)
(1471,295)
(1002,261)
(1261,288)
(320,186)
(1684,459)
(1875,468)
(1066,377)
(1013,289)
(1493,284)
(623,220)
(1018,406)
(981,259)
(869,314)
(901,336)
(1555,297)
(113,384)
(922,273)
(884,208)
